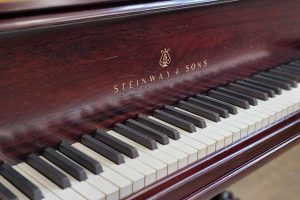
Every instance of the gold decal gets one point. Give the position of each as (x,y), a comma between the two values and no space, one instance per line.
(152,78)
(159,76)
(116,89)
(165,58)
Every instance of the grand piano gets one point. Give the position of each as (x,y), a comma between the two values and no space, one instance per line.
(174,99)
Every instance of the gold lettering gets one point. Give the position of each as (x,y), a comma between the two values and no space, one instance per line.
(144,81)
(160,76)
(116,89)
(123,86)
(187,68)
(193,66)
(164,74)
(152,78)
(130,85)
(168,74)
(199,64)
(205,63)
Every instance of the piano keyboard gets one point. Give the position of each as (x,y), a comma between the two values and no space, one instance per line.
(115,163)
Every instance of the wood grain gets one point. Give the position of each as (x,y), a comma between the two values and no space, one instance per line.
(54,80)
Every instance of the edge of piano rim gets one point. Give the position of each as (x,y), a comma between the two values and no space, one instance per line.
(32,16)
(206,177)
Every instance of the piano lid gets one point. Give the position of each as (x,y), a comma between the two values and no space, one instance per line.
(11,6)
(25,6)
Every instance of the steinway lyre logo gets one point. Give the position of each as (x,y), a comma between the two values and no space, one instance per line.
(165,58)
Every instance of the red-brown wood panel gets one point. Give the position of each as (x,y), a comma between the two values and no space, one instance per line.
(56,79)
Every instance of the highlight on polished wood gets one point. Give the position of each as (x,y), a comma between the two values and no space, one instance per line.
(144,99)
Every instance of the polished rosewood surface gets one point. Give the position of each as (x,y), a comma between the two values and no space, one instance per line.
(58,82)
(68,72)
(12,6)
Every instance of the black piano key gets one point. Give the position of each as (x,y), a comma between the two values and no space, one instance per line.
(248,91)
(276,89)
(279,78)
(291,67)
(135,136)
(185,116)
(117,144)
(103,149)
(286,73)
(221,111)
(48,171)
(65,164)
(172,133)
(199,111)
(80,158)
(231,108)
(6,194)
(294,64)
(251,100)
(20,182)
(280,84)
(270,92)
(143,129)
(291,75)
(229,99)
(287,70)
(185,125)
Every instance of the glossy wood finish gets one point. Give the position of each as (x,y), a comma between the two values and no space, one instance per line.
(57,82)
(208,177)
(99,12)
(11,6)
(58,71)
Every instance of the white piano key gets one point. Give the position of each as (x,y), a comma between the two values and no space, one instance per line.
(160,167)
(172,164)
(192,152)
(288,104)
(220,140)
(266,108)
(228,135)
(243,127)
(220,128)
(291,97)
(270,113)
(13,189)
(124,185)
(136,178)
(250,123)
(263,116)
(235,132)
(46,192)
(253,118)
(148,172)
(203,143)
(255,111)
(83,188)
(67,193)
(110,190)
(280,111)
(180,156)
